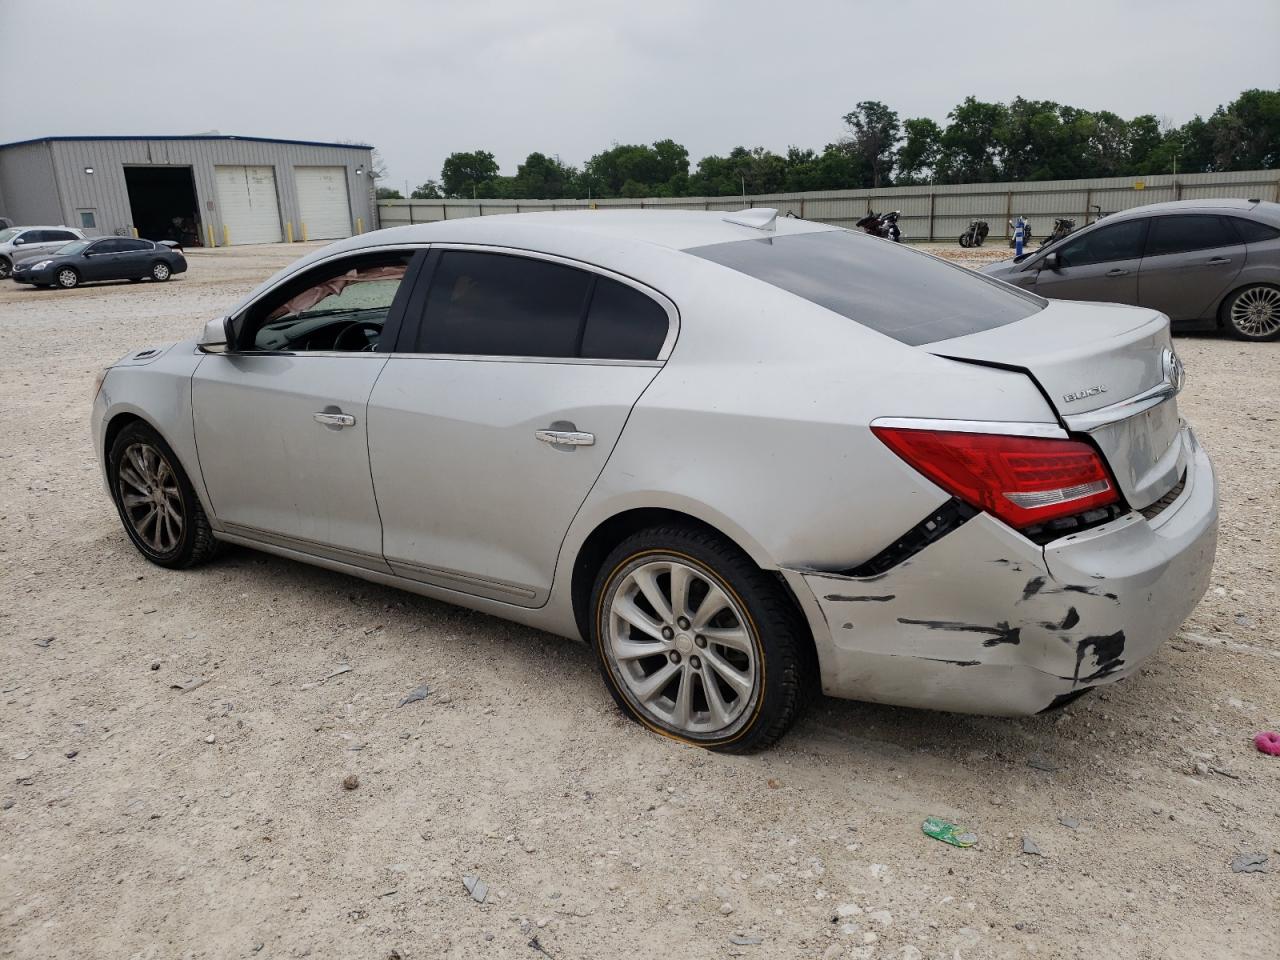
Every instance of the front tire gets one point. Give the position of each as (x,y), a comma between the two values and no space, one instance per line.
(157,504)
(696,642)
(67,278)
(1253,313)
(6,268)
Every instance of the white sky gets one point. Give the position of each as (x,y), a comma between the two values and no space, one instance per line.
(420,80)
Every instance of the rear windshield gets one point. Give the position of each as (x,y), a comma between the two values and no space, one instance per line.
(902,293)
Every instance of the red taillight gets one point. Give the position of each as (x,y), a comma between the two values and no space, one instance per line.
(1022,480)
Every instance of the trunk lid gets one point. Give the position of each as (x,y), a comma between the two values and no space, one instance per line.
(1108,372)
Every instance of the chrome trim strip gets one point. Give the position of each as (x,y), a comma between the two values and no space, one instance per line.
(1113,413)
(467,579)
(1011,428)
(574,361)
(357,558)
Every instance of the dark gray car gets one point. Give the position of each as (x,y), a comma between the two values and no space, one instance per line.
(106,258)
(1205,263)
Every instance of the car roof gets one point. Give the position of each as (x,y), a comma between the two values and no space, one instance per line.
(1263,209)
(40,226)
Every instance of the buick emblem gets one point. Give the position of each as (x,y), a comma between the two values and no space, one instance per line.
(1085,392)
(1174,372)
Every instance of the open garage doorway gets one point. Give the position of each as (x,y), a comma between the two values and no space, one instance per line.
(163,203)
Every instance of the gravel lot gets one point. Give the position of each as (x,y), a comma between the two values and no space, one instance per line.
(141,821)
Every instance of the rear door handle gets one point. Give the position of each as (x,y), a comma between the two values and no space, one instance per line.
(1216,260)
(338,420)
(1117,273)
(568,438)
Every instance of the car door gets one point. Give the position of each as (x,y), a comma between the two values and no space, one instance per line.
(99,259)
(511,383)
(31,242)
(1098,264)
(133,260)
(280,419)
(1189,262)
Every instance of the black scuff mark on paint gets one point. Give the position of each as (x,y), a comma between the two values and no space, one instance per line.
(848,626)
(844,598)
(957,663)
(1107,651)
(999,634)
(1069,621)
(1006,562)
(1034,586)
(1088,591)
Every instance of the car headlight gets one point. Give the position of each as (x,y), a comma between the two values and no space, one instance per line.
(40,265)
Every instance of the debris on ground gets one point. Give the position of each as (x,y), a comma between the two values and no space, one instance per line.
(478,889)
(1030,847)
(1250,863)
(738,940)
(948,832)
(1039,761)
(350,782)
(418,693)
(342,668)
(1071,823)
(539,947)
(43,641)
(1268,742)
(186,686)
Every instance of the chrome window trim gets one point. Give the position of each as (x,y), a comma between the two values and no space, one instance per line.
(667,304)
(1013,428)
(1113,413)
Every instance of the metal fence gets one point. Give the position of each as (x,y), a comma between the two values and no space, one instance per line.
(928,212)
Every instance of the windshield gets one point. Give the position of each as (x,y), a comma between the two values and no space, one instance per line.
(75,246)
(904,294)
(9,234)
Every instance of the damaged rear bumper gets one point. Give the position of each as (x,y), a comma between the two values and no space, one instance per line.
(987,621)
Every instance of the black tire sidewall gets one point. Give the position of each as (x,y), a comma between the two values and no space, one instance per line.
(192,512)
(772,628)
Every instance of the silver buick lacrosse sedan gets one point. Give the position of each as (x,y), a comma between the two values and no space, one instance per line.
(745,458)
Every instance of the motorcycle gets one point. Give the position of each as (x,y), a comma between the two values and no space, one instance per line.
(1061,227)
(1026,233)
(976,235)
(884,225)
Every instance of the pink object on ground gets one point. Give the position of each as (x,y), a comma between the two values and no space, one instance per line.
(1268,743)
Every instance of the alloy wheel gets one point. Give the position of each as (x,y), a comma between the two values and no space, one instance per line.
(682,646)
(151,498)
(160,272)
(5,268)
(67,278)
(1256,312)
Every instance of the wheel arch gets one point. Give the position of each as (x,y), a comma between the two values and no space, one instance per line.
(611,531)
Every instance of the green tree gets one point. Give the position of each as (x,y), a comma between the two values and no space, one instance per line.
(427,191)
(969,142)
(386,193)
(464,174)
(922,148)
(873,137)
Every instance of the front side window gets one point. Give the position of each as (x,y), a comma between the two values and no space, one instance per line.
(1182,234)
(1117,241)
(904,294)
(342,306)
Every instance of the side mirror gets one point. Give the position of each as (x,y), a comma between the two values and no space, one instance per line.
(1051,261)
(19,242)
(216,337)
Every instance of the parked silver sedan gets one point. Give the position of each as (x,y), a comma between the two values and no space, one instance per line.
(1204,263)
(744,458)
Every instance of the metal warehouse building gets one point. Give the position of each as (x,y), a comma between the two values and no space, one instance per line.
(200,190)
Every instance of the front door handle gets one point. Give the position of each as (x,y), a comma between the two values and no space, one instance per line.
(1219,260)
(1117,273)
(330,419)
(568,438)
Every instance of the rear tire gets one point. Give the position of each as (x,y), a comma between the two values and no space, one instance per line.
(964,240)
(157,504)
(1253,313)
(697,643)
(160,271)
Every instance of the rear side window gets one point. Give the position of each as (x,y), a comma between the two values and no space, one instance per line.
(130,246)
(1251,231)
(488,304)
(105,246)
(909,296)
(1117,241)
(493,304)
(623,324)
(1182,234)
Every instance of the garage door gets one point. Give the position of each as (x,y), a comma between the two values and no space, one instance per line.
(247,199)
(322,199)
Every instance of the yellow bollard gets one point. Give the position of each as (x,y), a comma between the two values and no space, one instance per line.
(208,227)
(304,231)
(359,224)
(226,235)
(288,230)
(135,232)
